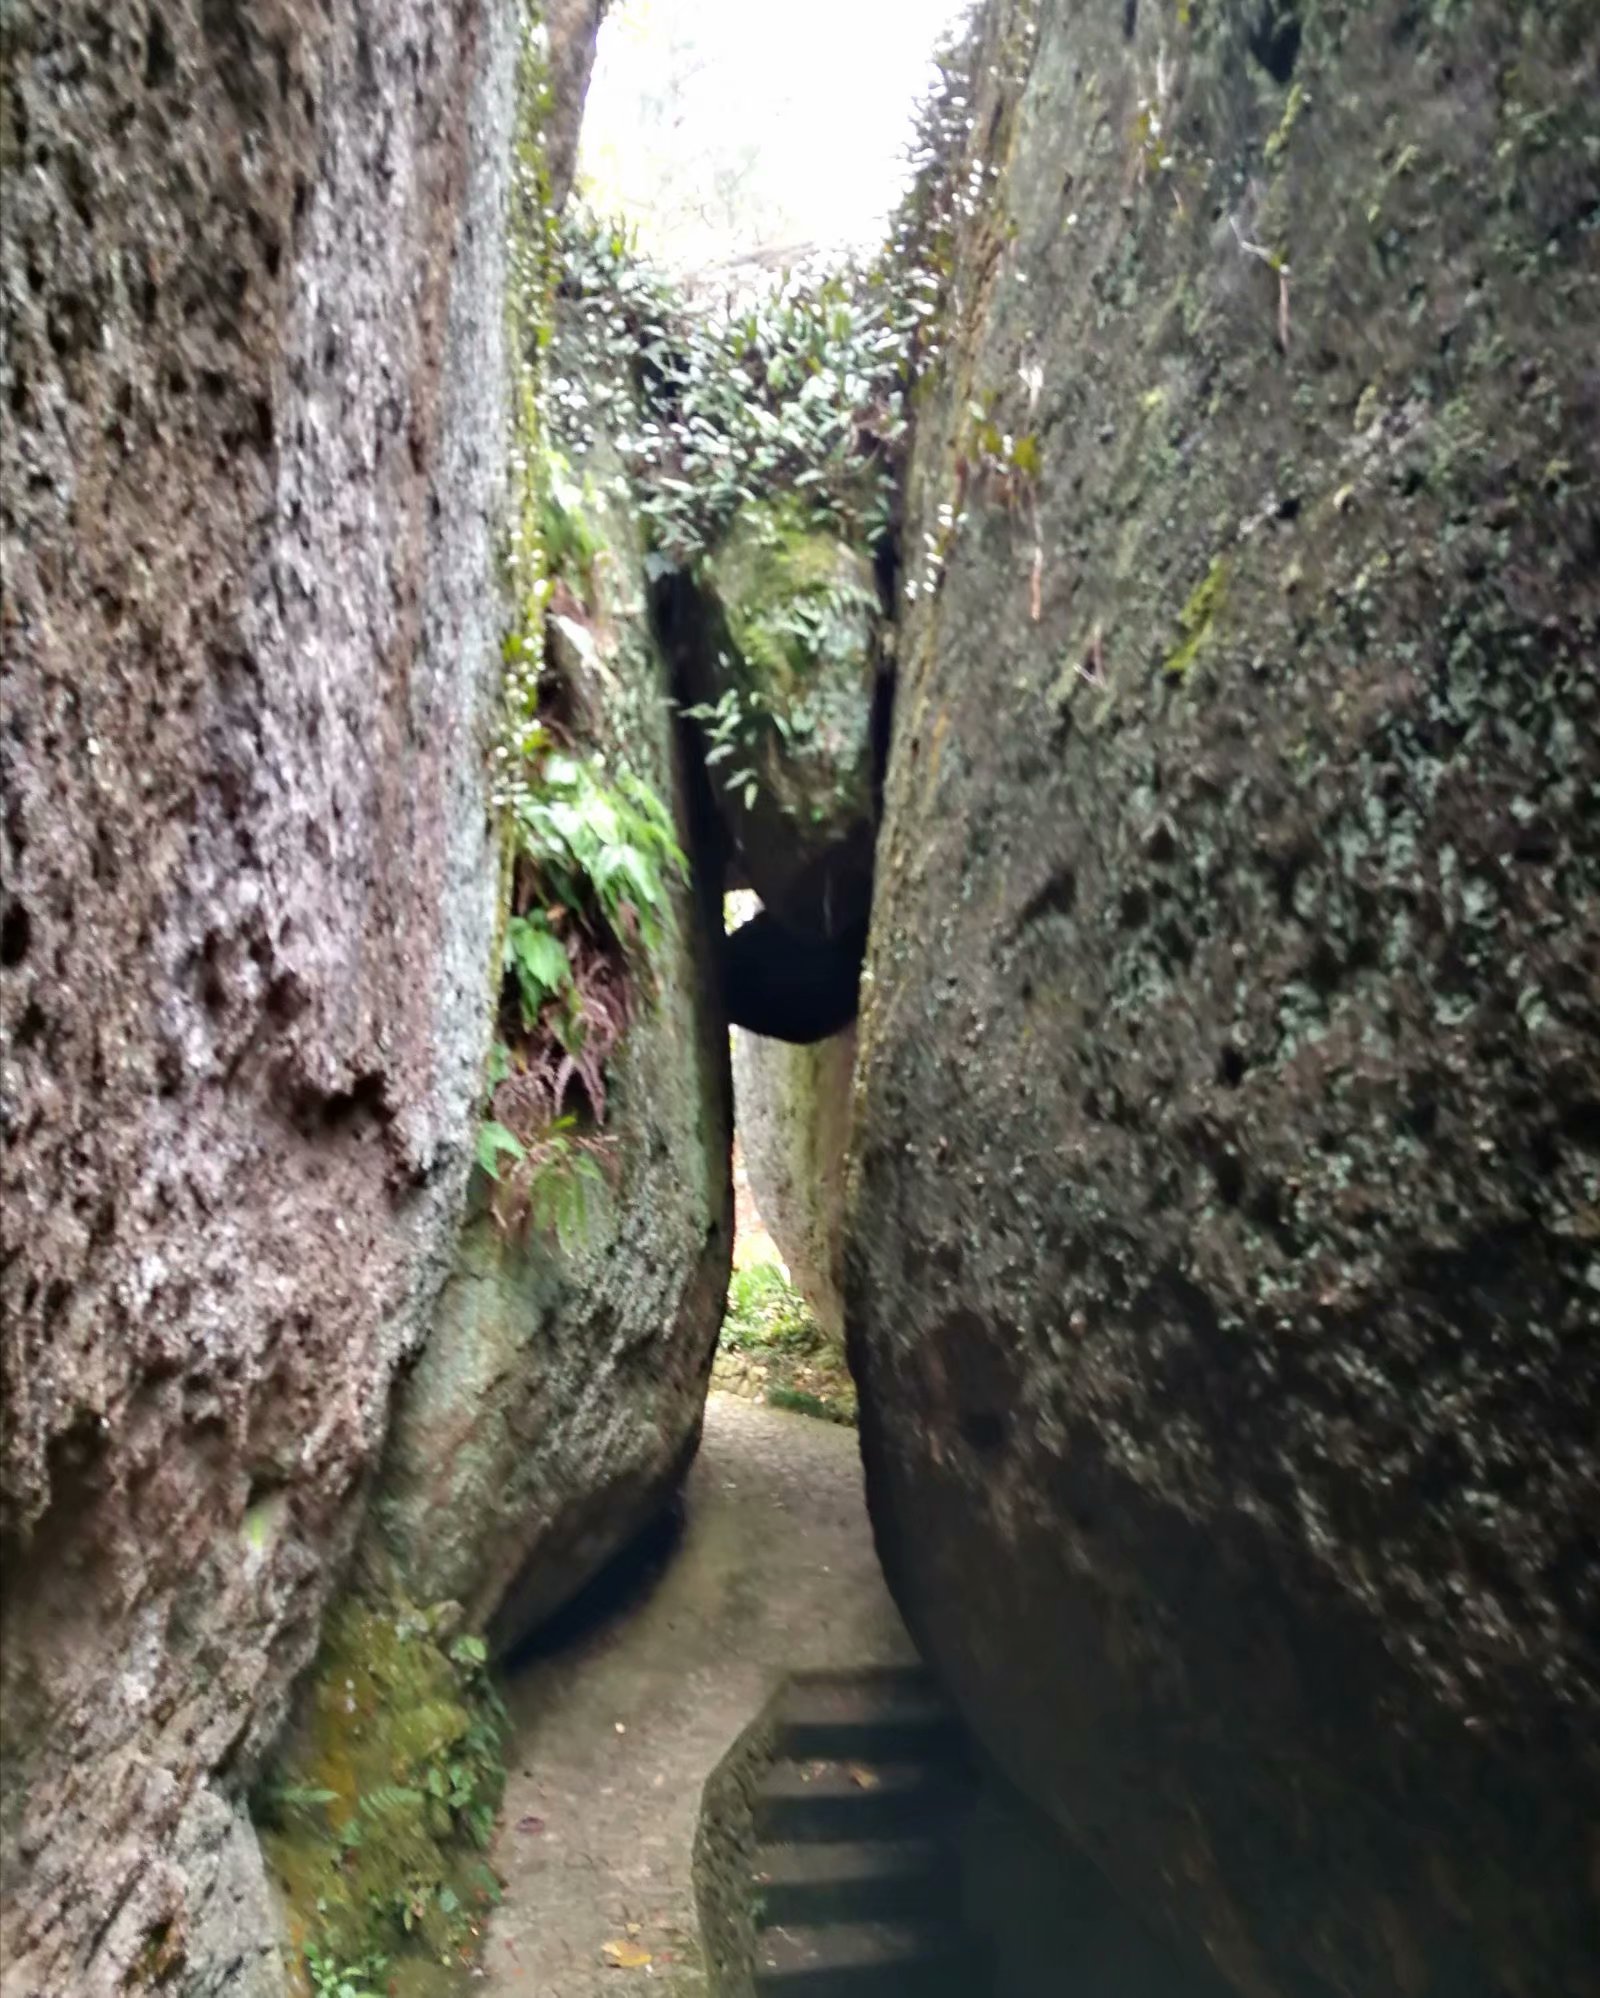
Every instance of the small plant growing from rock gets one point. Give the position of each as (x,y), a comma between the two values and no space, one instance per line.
(590,873)
(332,1979)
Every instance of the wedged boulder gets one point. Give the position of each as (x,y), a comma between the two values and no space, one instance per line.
(1224,1239)
(253,275)
(792,1105)
(560,1395)
(785,647)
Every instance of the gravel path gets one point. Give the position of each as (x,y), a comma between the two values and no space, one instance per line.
(616,1732)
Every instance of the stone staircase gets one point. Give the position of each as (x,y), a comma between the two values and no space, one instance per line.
(844,1813)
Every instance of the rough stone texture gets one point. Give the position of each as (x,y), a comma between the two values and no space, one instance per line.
(792,1107)
(559,1398)
(1224,1253)
(804,840)
(254,379)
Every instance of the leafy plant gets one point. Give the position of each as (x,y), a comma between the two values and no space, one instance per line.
(571,542)
(537,959)
(274,1802)
(797,384)
(496,1142)
(765,1310)
(556,1179)
(800,1401)
(593,863)
(604,850)
(332,1979)
(733,726)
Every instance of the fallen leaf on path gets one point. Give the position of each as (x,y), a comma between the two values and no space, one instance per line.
(625,1955)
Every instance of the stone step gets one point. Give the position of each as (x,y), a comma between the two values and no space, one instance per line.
(853,1880)
(828,1798)
(868,1960)
(892,1715)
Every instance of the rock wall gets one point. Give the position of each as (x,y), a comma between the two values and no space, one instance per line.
(1224,1249)
(560,1395)
(256,391)
(793,1110)
(574,28)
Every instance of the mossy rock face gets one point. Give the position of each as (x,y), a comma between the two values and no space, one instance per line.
(1223,1258)
(790,647)
(377,1815)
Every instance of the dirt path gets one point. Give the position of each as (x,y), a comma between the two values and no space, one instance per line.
(616,1732)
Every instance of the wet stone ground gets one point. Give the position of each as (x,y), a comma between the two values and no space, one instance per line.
(633,1698)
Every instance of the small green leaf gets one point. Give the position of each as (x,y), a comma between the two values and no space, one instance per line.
(496,1142)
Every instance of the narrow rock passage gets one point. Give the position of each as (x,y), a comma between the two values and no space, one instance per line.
(615,1733)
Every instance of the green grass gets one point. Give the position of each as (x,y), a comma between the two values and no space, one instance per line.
(769,1323)
(765,1310)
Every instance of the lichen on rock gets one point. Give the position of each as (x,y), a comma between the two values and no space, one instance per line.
(257,381)
(377,1809)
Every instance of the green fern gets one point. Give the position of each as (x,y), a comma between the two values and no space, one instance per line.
(595,847)
(563,1192)
(385,1799)
(332,1979)
(538,960)
(297,1797)
(496,1142)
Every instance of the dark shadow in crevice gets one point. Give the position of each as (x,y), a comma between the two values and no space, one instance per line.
(621,1589)
(1275,39)
(1056,1923)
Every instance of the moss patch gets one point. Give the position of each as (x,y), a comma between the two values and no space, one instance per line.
(796,598)
(375,1820)
(1197,617)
